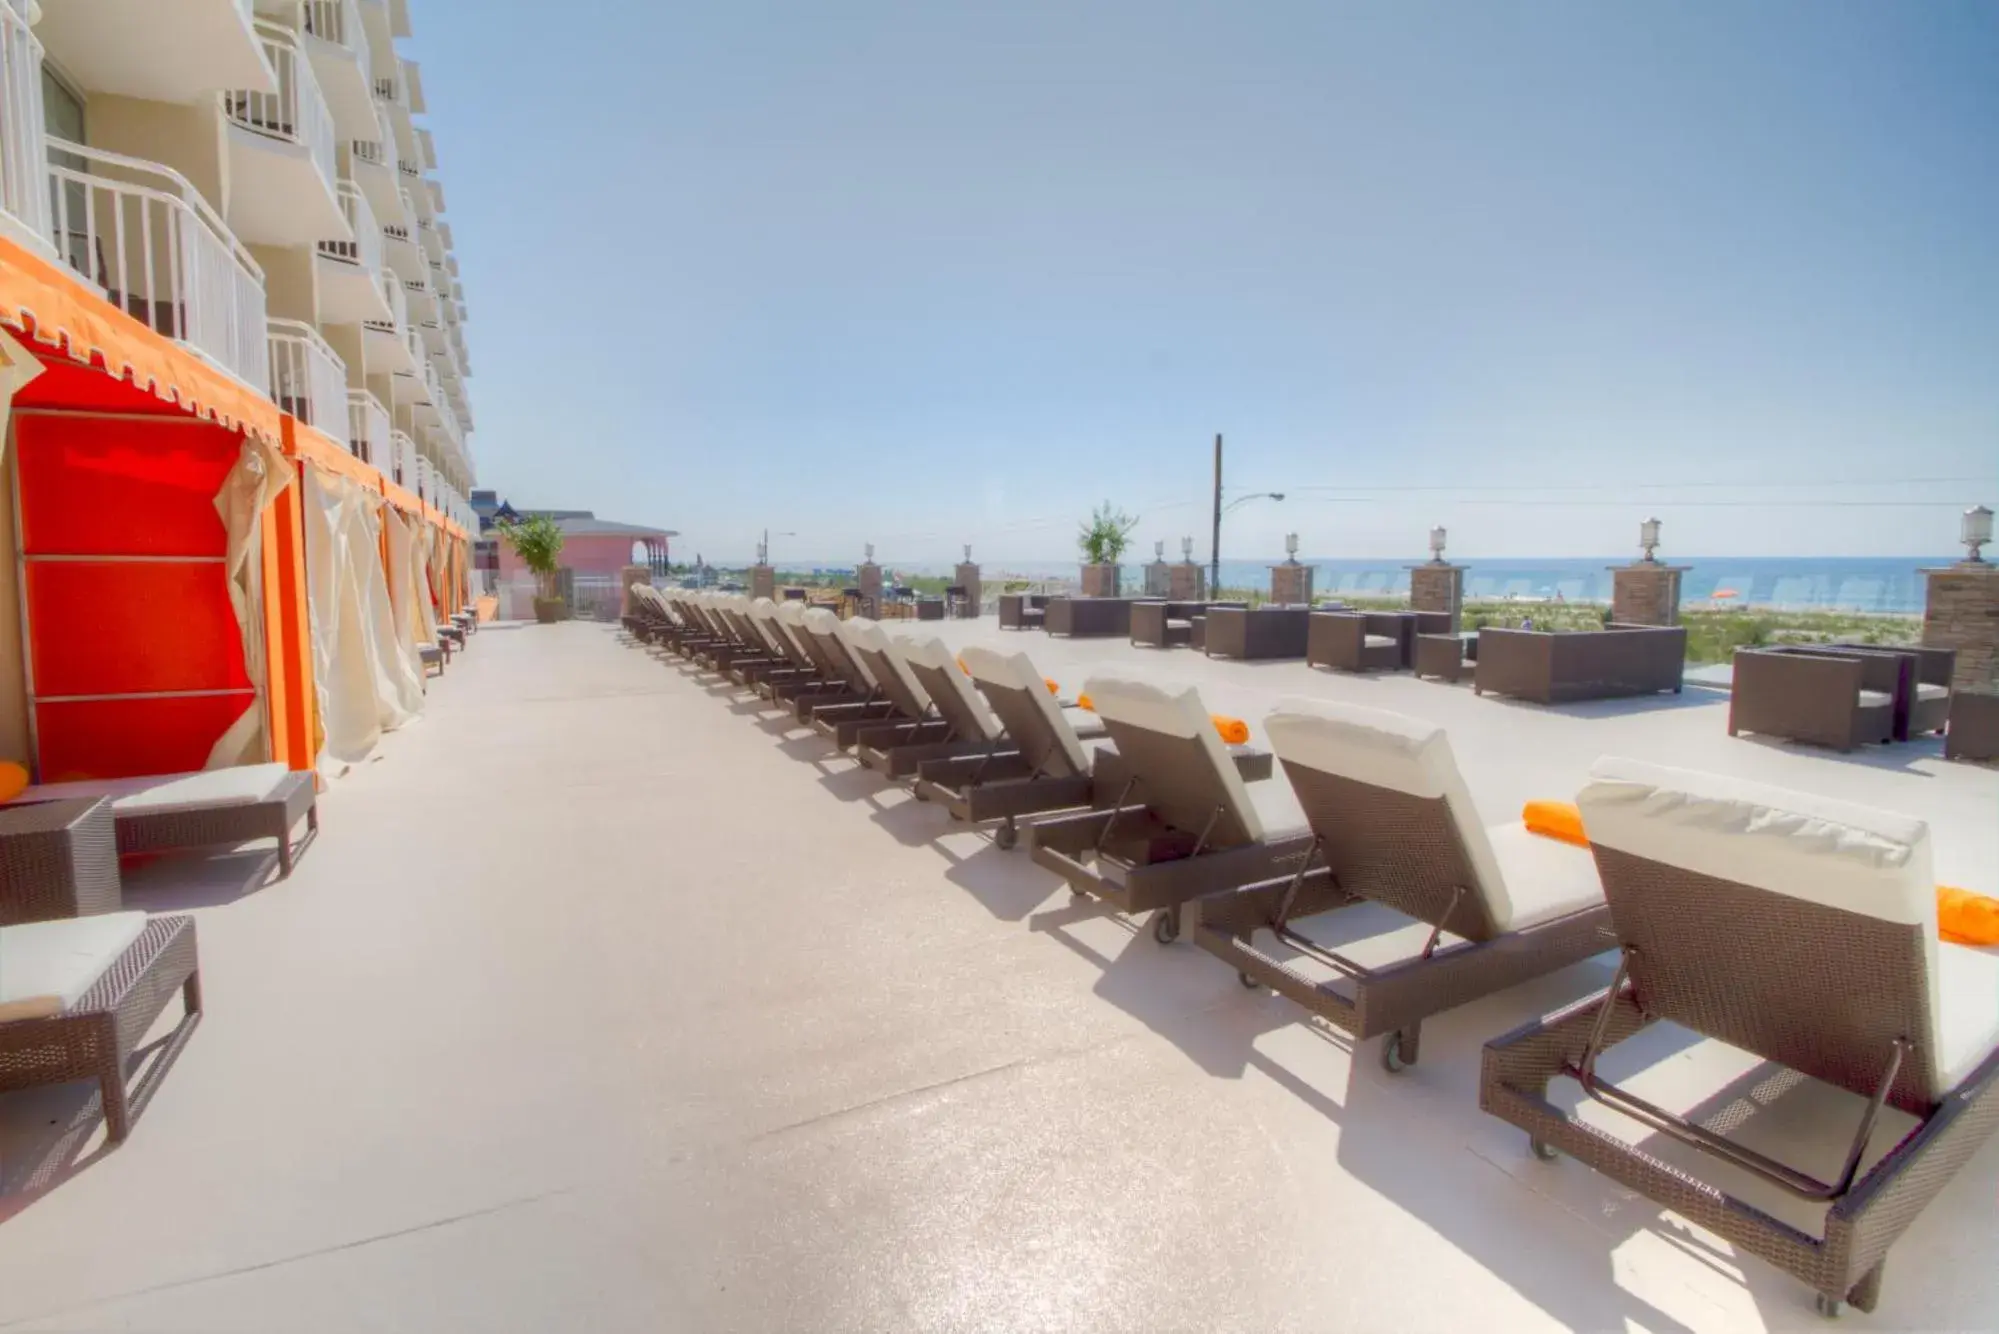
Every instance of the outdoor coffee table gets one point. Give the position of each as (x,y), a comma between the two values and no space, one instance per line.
(58,859)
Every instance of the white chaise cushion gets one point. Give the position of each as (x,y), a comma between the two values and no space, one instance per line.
(1377,641)
(866,636)
(64,957)
(1410,756)
(1175,710)
(929,652)
(826,625)
(163,794)
(1014,671)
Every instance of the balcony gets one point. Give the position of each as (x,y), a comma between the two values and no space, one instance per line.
(180,52)
(433,244)
(282,154)
(368,430)
(385,343)
(308,378)
(426,146)
(350,289)
(401,465)
(401,250)
(142,236)
(24,190)
(372,164)
(422,301)
(337,44)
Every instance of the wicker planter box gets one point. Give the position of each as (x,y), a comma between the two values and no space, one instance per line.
(1100,581)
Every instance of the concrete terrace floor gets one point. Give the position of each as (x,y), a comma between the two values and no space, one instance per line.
(605,1001)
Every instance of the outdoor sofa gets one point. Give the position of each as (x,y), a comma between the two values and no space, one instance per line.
(1561,666)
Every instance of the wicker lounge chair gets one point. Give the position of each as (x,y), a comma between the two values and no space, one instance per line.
(820,676)
(1828,699)
(78,995)
(960,724)
(1392,823)
(901,706)
(1035,763)
(217,807)
(856,696)
(1803,931)
(1172,818)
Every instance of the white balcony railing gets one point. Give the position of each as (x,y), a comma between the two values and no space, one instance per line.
(297,113)
(144,236)
(402,458)
(366,247)
(308,378)
(399,314)
(368,427)
(23,192)
(339,22)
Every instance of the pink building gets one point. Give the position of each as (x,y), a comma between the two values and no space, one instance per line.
(594,546)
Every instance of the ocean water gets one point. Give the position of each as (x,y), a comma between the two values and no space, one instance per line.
(1865,584)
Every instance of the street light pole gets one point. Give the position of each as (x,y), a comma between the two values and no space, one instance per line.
(1215,539)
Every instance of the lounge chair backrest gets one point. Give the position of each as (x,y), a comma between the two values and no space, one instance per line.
(950,690)
(865,640)
(1790,925)
(763,616)
(1794,926)
(824,627)
(797,643)
(1032,719)
(1384,797)
(1167,742)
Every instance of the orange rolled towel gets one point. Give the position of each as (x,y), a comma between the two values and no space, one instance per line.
(1233,731)
(13,780)
(1085,702)
(1053,688)
(963,668)
(1555,819)
(1965,918)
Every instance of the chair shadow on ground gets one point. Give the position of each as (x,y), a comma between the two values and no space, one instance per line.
(1892,757)
(50,1134)
(1624,706)
(185,881)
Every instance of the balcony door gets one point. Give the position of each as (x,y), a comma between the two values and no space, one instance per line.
(62,116)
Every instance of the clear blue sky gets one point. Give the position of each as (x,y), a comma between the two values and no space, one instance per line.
(923,273)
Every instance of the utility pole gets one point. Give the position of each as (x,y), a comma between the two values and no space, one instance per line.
(1215,541)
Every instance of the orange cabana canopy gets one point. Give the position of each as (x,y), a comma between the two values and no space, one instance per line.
(46,304)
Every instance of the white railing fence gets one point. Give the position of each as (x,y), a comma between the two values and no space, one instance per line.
(402,455)
(366,247)
(399,314)
(367,427)
(147,239)
(308,378)
(339,22)
(22,157)
(297,111)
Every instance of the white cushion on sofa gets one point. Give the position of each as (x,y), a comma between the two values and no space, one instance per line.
(64,957)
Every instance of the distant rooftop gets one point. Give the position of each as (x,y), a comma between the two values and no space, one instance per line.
(573,523)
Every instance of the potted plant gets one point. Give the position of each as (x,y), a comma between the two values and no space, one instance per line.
(1103,540)
(538,542)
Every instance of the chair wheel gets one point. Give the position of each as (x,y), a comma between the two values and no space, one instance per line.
(1829,1307)
(1006,836)
(1543,1150)
(1248,981)
(1166,926)
(1392,1059)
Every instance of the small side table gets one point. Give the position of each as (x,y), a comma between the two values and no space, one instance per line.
(58,859)
(1974,726)
(1441,656)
